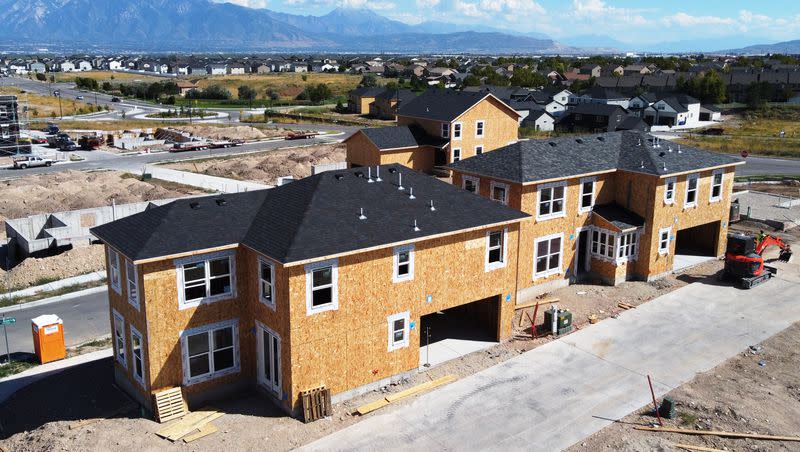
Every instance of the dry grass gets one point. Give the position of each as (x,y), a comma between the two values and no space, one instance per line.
(106,76)
(47,106)
(756,136)
(287,85)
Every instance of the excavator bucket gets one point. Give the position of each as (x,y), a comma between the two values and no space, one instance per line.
(785,255)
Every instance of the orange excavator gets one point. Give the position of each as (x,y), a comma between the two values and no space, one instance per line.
(744,262)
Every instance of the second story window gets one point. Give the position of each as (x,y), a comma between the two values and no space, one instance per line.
(322,292)
(587,194)
(470,184)
(266,283)
(479,126)
(691,191)
(132,280)
(551,201)
(499,192)
(457,131)
(204,280)
(495,250)
(114,274)
(669,190)
(403,263)
(445,130)
(716,186)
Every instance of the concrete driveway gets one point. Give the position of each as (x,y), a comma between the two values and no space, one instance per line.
(557,394)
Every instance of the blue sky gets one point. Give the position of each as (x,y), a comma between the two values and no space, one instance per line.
(626,20)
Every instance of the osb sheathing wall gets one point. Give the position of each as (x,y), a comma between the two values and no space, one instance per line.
(363,152)
(348,347)
(132,316)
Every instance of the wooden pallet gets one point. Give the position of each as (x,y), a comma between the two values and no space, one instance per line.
(169,404)
(195,421)
(316,404)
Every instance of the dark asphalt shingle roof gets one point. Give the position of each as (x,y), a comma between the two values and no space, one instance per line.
(310,218)
(440,104)
(558,158)
(368,91)
(401,137)
(619,216)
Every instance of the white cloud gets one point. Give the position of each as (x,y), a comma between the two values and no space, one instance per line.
(369,4)
(682,19)
(247,3)
(427,3)
(468,9)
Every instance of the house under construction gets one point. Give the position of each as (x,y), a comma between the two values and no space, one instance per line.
(11,141)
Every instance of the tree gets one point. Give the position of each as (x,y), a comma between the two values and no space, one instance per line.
(107,86)
(247,93)
(369,80)
(392,86)
(41,77)
(315,93)
(471,80)
(528,78)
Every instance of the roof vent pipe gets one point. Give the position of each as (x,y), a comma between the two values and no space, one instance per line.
(642,164)
(369,175)
(362,216)
(411,193)
(378,174)
(416,229)
(432,208)
(679,149)
(400,181)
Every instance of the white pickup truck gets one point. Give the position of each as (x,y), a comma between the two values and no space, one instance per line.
(30,161)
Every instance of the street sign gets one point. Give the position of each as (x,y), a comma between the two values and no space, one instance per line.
(8,321)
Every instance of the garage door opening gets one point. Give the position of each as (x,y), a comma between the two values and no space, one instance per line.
(459,331)
(696,245)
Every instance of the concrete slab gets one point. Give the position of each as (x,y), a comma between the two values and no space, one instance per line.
(447,349)
(562,392)
(683,261)
(782,212)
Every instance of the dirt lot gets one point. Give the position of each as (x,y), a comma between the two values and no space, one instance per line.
(786,188)
(266,166)
(70,190)
(737,396)
(234,133)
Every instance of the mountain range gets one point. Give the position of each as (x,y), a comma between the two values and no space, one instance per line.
(202,25)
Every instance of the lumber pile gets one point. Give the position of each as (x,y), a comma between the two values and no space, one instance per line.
(625,306)
(316,404)
(718,433)
(420,388)
(193,426)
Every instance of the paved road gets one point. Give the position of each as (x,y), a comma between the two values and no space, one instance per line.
(85,318)
(559,393)
(763,165)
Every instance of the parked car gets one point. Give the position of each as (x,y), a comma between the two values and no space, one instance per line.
(56,93)
(116,99)
(38,140)
(68,145)
(78,97)
(30,161)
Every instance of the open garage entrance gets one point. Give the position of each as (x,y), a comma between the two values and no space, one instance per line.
(696,245)
(459,330)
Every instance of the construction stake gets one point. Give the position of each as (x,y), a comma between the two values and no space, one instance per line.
(700,448)
(655,404)
(533,321)
(718,433)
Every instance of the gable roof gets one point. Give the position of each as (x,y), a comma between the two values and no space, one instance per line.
(385,138)
(444,104)
(367,91)
(311,218)
(559,158)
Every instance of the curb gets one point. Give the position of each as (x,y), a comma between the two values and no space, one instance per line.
(51,300)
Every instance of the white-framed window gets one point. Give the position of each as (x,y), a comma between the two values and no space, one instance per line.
(132,283)
(587,194)
(206,279)
(470,183)
(669,190)
(551,200)
(266,282)
(496,249)
(479,150)
(456,154)
(445,130)
(716,186)
(114,273)
(119,338)
(627,246)
(547,255)
(457,131)
(403,263)
(691,190)
(663,240)
(480,125)
(322,288)
(269,358)
(137,356)
(210,351)
(398,330)
(499,192)
(603,243)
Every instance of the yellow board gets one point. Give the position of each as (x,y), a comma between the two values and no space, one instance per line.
(372,406)
(203,431)
(422,388)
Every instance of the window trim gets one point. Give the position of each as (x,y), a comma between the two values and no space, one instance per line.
(475,180)
(445,130)
(551,215)
(211,375)
(674,182)
(137,334)
(458,128)
(134,300)
(276,388)
(334,304)
(505,188)
(696,178)
(392,345)
(711,197)
(120,356)
(552,271)
(479,149)
(271,303)
(634,243)
(583,181)
(456,151)
(489,266)
(661,231)
(482,123)
(180,263)
(113,257)
(396,277)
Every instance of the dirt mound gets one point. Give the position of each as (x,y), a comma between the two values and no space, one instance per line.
(267,166)
(233,133)
(33,271)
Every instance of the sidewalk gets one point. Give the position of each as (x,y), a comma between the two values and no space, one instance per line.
(558,394)
(55,285)
(12,384)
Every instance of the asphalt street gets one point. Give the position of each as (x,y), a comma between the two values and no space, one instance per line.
(762,165)
(85,318)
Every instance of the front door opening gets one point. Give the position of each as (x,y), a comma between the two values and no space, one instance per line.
(582,255)
(459,330)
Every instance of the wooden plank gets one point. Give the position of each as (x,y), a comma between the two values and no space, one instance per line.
(372,406)
(534,303)
(428,385)
(719,433)
(205,430)
(700,448)
(192,427)
(189,422)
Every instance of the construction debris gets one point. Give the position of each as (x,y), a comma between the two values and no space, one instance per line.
(169,404)
(316,404)
(391,398)
(718,433)
(625,306)
(700,448)
(195,421)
